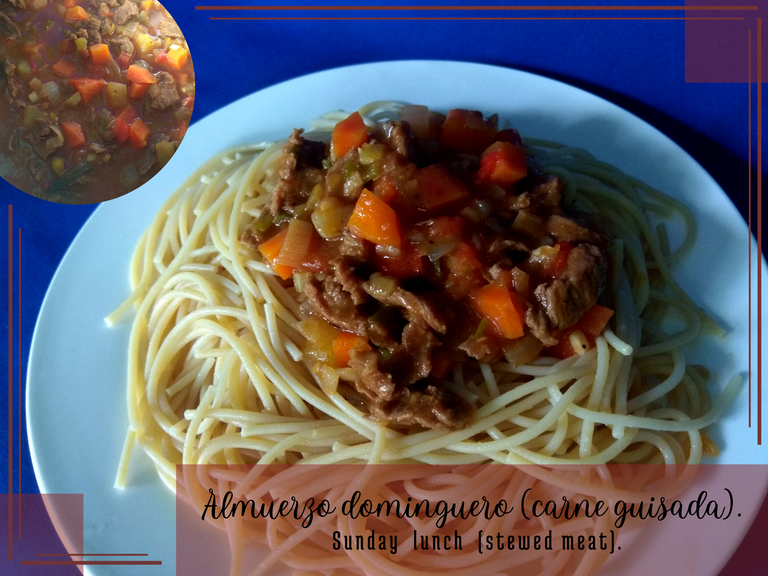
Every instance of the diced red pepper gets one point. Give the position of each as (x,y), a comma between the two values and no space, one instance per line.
(128,114)
(139,134)
(162,58)
(467,131)
(561,260)
(67,46)
(407,264)
(88,87)
(437,187)
(73,134)
(122,130)
(503,164)
(385,189)
(591,325)
(64,67)
(465,272)
(140,75)
(348,134)
(123,60)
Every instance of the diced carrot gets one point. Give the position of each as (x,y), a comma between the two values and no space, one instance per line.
(271,249)
(69,3)
(374,220)
(75,13)
(123,60)
(122,130)
(139,134)
(503,309)
(348,134)
(147,4)
(64,67)
(502,163)
(591,325)
(88,87)
(177,57)
(140,75)
(128,114)
(343,344)
(437,187)
(137,90)
(100,53)
(73,134)
(161,58)
(467,131)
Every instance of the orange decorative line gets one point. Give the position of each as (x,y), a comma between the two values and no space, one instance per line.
(89,562)
(759,232)
(479,8)
(470,18)
(18,395)
(10,382)
(749,215)
(78,554)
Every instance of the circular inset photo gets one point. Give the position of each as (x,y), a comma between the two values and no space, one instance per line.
(96,96)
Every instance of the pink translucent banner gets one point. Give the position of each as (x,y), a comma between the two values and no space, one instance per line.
(480,519)
(718,42)
(31,527)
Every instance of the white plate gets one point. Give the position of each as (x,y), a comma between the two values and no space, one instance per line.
(76,411)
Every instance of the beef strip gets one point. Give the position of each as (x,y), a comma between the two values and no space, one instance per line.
(350,282)
(543,197)
(164,93)
(8,28)
(569,230)
(170,29)
(124,13)
(411,360)
(397,135)
(431,406)
(559,305)
(296,180)
(356,249)
(329,301)
(371,382)
(118,44)
(485,348)
(45,136)
(423,306)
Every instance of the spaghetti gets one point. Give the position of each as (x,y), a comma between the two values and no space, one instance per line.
(219,374)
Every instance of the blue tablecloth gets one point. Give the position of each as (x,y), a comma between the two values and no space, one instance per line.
(635,59)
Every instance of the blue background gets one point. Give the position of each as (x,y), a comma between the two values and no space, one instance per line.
(637,64)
